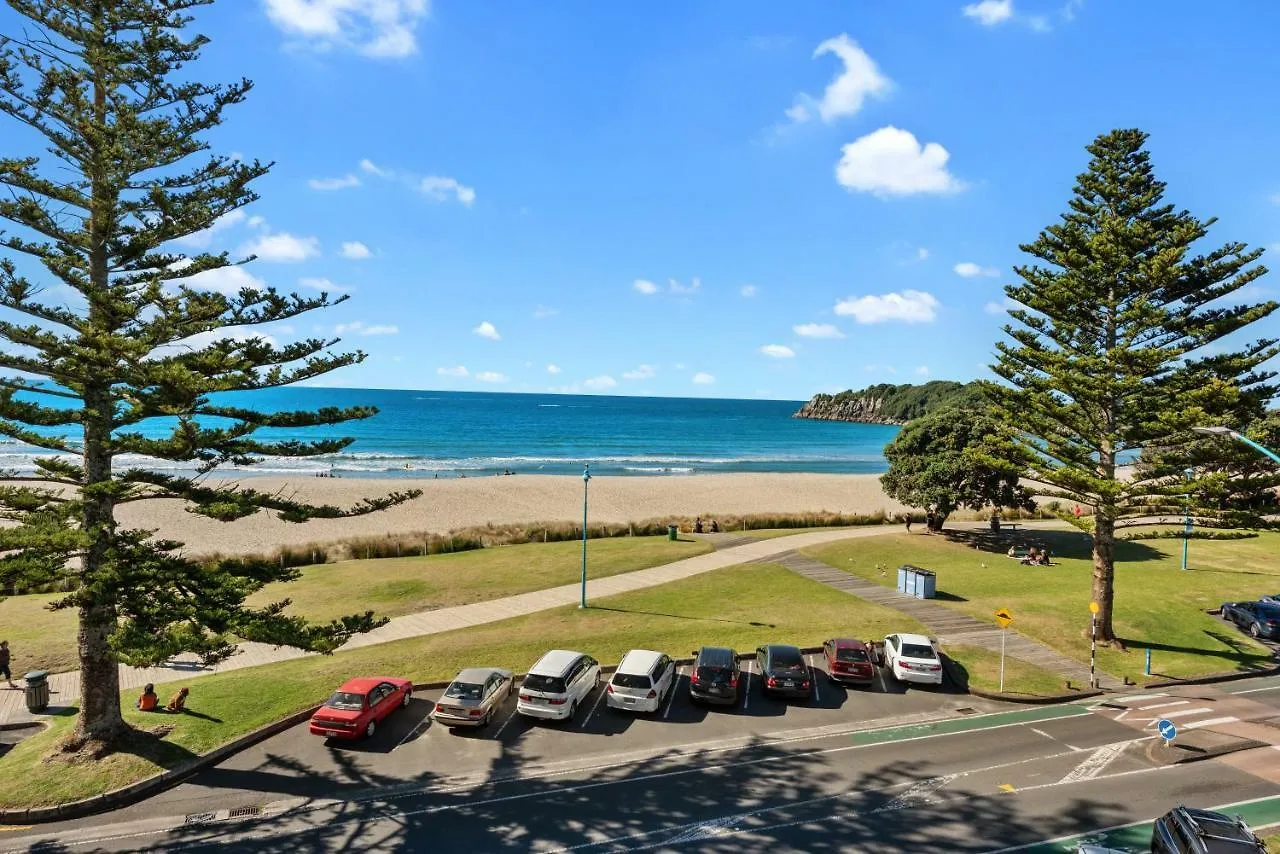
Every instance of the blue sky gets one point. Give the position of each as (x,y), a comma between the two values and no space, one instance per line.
(721,198)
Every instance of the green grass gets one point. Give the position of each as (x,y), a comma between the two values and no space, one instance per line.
(1157,605)
(982,671)
(45,640)
(741,606)
(1272,841)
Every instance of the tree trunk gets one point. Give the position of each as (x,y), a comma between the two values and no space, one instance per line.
(1104,570)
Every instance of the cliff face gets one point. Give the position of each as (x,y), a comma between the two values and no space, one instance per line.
(864,409)
(887,403)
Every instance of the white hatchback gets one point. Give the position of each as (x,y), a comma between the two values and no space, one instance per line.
(913,658)
(555,686)
(642,681)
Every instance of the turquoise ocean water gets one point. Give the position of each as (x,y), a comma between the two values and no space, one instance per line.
(446,434)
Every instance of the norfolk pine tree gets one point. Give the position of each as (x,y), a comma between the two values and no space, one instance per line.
(105,84)
(1111,357)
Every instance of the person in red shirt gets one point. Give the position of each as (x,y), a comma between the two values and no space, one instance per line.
(147,700)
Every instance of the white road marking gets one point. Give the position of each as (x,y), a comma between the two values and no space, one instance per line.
(426,720)
(813,676)
(1121,716)
(1180,713)
(603,690)
(671,693)
(511,717)
(877,676)
(746,692)
(920,792)
(1256,690)
(1095,762)
(1137,698)
(1042,732)
(1211,722)
(1162,705)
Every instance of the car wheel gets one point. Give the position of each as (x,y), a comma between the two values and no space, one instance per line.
(488,716)
(573,711)
(370,729)
(408,695)
(1253,630)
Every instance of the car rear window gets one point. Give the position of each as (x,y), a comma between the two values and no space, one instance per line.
(631,680)
(464,691)
(915,650)
(714,675)
(546,684)
(851,655)
(346,700)
(787,660)
(1269,611)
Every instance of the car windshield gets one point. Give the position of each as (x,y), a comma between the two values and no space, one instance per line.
(714,675)
(915,650)
(464,691)
(786,660)
(545,684)
(631,680)
(346,700)
(851,655)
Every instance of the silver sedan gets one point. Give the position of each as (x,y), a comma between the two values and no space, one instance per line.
(473,697)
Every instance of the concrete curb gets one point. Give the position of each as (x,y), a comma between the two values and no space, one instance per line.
(1231,676)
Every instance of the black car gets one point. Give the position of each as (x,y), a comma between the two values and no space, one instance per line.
(1260,619)
(783,671)
(1183,830)
(715,676)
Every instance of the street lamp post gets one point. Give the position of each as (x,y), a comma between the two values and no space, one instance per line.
(586,478)
(1186,517)
(1239,437)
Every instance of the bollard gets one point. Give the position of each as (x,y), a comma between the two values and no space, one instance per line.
(1148,661)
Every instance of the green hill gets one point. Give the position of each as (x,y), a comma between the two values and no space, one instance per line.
(886,403)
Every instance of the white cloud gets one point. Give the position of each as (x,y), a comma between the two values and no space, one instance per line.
(1069,9)
(1000,307)
(355,250)
(693,287)
(645,287)
(891,162)
(378,28)
(679,366)
(600,383)
(969,270)
(1275,198)
(491,377)
(358,327)
(369,166)
(256,221)
(283,248)
(544,311)
(201,340)
(441,188)
(922,254)
(922,370)
(334,183)
(226,280)
(643,372)
(908,307)
(201,239)
(990,12)
(748,291)
(777,351)
(845,94)
(817,330)
(456,371)
(486,330)
(553,369)
(321,284)
(703,378)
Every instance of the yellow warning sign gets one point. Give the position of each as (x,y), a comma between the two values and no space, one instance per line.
(1004,618)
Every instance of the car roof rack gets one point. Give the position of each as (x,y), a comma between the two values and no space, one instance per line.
(1198,818)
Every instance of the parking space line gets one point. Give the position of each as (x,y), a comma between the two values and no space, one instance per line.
(671,693)
(813,675)
(878,676)
(746,692)
(603,690)
(511,717)
(411,733)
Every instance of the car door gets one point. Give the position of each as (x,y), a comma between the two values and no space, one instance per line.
(891,651)
(492,692)
(829,653)
(661,676)
(581,682)
(1243,615)
(760,662)
(386,700)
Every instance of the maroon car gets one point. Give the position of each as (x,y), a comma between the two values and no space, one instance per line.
(848,661)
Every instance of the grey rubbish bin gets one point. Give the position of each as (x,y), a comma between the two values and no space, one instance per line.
(37,691)
(908,579)
(926,584)
(673,533)
(902,578)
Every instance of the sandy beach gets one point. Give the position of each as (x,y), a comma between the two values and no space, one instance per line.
(452,503)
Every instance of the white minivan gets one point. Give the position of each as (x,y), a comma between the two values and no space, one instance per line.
(642,681)
(557,684)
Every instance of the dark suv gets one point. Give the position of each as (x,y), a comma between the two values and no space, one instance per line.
(714,678)
(783,671)
(1183,830)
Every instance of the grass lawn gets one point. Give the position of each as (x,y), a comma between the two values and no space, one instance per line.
(982,671)
(1157,605)
(1273,842)
(45,640)
(740,606)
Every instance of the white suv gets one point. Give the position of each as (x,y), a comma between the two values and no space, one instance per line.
(557,684)
(913,658)
(642,682)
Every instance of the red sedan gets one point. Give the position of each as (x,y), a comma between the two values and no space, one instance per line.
(355,709)
(849,661)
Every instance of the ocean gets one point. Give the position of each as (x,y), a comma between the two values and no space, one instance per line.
(420,434)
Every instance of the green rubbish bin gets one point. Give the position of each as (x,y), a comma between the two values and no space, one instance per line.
(37,691)
(673,533)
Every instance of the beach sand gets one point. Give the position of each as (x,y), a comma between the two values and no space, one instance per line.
(453,503)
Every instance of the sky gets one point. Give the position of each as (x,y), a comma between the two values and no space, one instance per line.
(729,198)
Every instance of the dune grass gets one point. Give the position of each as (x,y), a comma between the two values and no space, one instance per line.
(741,606)
(1157,605)
(981,670)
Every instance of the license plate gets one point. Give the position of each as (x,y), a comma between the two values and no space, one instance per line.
(333,732)
(628,700)
(788,684)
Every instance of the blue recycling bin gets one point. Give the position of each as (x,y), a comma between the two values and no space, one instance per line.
(926,586)
(903,573)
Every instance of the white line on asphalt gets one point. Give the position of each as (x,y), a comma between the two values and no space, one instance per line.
(1181,713)
(877,676)
(603,690)
(919,793)
(671,693)
(1122,715)
(511,717)
(1095,762)
(411,733)
(1042,732)
(746,691)
(1162,705)
(1256,690)
(1136,698)
(813,675)
(1211,722)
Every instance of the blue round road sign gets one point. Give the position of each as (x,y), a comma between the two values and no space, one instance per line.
(1167,729)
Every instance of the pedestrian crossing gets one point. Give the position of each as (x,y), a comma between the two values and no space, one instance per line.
(1189,708)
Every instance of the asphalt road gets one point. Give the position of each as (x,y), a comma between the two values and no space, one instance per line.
(851,771)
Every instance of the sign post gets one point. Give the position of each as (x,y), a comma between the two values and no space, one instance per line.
(1004,618)
(1093,645)
(1167,731)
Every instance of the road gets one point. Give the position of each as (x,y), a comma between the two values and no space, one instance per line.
(853,770)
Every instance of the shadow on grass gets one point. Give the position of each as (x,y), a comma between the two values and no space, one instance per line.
(684,616)
(1239,652)
(944,596)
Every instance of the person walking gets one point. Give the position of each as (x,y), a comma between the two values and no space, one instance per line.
(4,663)
(908,523)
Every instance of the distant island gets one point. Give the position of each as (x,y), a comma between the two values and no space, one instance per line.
(886,403)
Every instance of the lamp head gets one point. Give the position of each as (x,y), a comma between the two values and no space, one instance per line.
(1214,431)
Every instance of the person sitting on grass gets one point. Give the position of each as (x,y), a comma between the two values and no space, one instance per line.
(147,700)
(178,702)
(1032,558)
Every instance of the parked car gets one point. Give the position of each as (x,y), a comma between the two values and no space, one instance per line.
(642,681)
(783,671)
(1260,619)
(715,675)
(913,658)
(1274,598)
(1183,830)
(555,686)
(473,697)
(355,710)
(848,661)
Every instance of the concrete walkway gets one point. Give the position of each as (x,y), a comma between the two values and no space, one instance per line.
(65,687)
(948,625)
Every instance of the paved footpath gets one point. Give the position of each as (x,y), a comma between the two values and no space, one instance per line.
(65,687)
